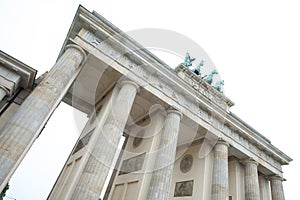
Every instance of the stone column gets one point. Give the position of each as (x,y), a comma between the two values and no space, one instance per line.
(23,128)
(220,188)
(251,180)
(277,188)
(163,169)
(95,172)
(264,187)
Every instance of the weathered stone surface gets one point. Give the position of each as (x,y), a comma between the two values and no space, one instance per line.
(94,174)
(184,188)
(186,163)
(21,130)
(251,180)
(264,187)
(132,164)
(2,93)
(83,142)
(162,176)
(220,172)
(277,188)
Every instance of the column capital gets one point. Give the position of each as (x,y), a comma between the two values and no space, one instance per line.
(251,179)
(262,175)
(157,108)
(75,46)
(221,141)
(249,161)
(276,187)
(172,110)
(130,82)
(276,177)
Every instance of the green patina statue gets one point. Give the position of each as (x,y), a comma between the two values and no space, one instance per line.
(3,193)
(197,70)
(188,60)
(209,78)
(219,86)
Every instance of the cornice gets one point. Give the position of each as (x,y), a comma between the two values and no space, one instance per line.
(27,73)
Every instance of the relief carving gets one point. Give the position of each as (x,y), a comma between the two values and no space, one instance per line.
(184,188)
(132,164)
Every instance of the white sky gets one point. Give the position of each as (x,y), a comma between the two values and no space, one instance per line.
(255,46)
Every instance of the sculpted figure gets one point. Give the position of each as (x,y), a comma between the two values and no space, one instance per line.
(219,86)
(188,60)
(197,69)
(209,78)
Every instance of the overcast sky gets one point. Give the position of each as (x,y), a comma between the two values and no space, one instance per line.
(255,46)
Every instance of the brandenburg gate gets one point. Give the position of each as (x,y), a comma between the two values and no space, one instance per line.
(161,133)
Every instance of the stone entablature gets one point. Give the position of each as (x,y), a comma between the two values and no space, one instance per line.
(203,87)
(26,73)
(14,76)
(129,58)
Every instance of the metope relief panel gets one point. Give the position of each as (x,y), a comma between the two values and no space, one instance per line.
(184,188)
(253,148)
(100,44)
(89,37)
(109,50)
(132,164)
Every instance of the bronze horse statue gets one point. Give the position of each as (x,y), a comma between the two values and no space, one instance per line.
(188,60)
(209,78)
(219,86)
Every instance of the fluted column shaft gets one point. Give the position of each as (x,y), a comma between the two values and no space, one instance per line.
(22,129)
(220,171)
(277,188)
(251,180)
(264,187)
(163,169)
(100,161)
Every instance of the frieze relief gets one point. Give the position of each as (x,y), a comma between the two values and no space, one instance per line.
(132,164)
(181,99)
(184,188)
(90,37)
(208,92)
